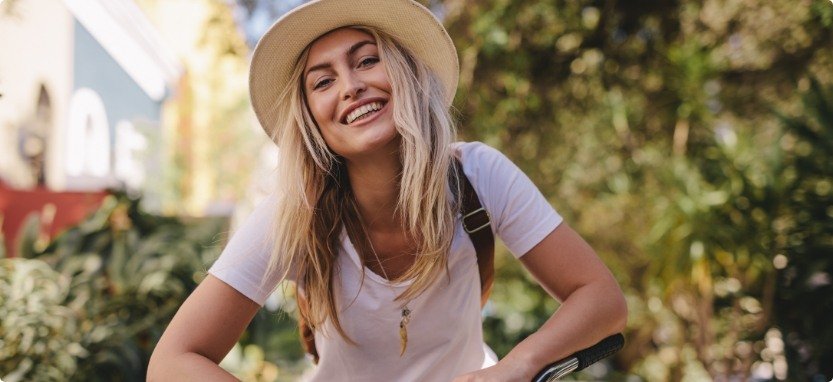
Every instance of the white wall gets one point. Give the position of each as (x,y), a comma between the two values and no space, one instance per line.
(36,44)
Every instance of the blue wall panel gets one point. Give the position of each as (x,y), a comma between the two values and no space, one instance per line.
(94,68)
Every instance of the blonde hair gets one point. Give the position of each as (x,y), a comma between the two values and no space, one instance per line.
(316,200)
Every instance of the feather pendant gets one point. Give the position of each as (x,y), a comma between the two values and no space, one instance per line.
(403,339)
(403,330)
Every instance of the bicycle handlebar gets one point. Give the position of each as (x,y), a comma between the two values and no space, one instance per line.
(581,359)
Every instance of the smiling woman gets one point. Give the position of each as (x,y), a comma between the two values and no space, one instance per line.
(367,221)
(347,86)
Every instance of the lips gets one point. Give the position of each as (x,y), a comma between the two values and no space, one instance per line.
(362,110)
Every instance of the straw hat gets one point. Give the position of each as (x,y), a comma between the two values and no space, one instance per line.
(410,23)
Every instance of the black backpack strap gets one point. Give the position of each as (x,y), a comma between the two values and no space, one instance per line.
(477,223)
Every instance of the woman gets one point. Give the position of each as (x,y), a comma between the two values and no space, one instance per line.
(366,219)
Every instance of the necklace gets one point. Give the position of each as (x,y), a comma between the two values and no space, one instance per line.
(406,312)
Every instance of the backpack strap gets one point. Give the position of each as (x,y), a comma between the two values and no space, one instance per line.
(478,225)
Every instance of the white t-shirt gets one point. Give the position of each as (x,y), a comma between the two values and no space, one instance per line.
(445,337)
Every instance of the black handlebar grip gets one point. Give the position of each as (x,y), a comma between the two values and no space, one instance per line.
(602,349)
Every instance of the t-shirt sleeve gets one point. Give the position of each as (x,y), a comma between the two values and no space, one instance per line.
(243,262)
(521,216)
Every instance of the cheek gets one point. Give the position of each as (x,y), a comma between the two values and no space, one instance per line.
(383,81)
(322,109)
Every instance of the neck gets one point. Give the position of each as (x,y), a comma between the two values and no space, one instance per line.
(375,184)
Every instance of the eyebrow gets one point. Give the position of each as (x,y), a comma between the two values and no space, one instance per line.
(350,52)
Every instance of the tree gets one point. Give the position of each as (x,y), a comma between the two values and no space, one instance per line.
(651,129)
(806,266)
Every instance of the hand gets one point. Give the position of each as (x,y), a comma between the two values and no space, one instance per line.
(501,372)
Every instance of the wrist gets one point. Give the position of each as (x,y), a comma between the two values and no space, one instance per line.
(524,362)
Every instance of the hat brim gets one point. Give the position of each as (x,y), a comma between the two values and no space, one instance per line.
(277,52)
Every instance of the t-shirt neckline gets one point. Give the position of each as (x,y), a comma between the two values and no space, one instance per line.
(348,246)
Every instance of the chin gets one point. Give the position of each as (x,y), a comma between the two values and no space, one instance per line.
(382,144)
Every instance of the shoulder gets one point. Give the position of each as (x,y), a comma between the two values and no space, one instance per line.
(246,257)
(521,216)
(477,157)
(474,151)
(482,162)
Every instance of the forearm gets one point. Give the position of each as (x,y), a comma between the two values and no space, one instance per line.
(589,314)
(186,367)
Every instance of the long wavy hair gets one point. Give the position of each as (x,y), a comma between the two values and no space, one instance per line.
(316,203)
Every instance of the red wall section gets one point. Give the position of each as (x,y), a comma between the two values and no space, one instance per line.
(70,209)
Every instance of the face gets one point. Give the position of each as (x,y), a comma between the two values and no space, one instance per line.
(348,92)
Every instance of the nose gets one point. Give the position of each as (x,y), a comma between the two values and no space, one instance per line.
(352,86)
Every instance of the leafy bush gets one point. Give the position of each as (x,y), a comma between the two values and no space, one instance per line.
(94,302)
(39,337)
(804,286)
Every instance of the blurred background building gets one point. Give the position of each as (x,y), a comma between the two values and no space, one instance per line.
(84,85)
(148,97)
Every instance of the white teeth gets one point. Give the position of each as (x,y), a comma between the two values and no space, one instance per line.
(361,111)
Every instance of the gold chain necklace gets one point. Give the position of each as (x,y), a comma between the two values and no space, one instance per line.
(406,312)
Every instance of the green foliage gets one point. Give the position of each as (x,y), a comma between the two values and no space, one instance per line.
(275,330)
(651,130)
(35,328)
(805,287)
(94,302)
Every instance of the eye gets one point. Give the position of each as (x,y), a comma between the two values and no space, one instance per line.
(368,61)
(321,83)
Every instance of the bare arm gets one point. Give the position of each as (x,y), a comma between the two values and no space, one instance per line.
(201,333)
(593,306)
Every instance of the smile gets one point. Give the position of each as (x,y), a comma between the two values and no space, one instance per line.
(364,112)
